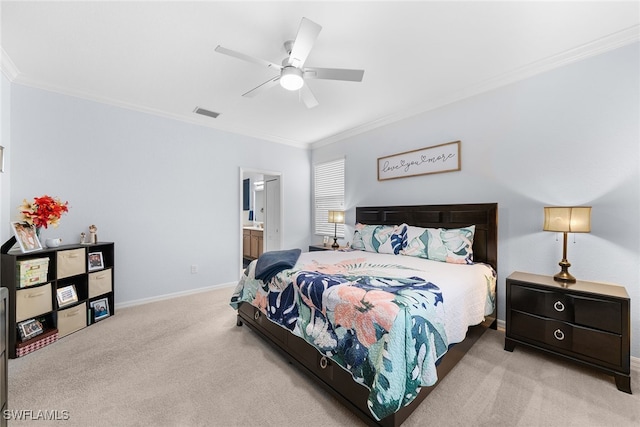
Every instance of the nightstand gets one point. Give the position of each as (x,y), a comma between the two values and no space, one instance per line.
(586,322)
(314,248)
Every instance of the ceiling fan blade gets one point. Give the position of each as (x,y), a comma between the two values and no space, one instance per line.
(308,97)
(264,86)
(248,58)
(306,37)
(334,74)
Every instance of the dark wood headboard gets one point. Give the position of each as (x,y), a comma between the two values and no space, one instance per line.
(483,215)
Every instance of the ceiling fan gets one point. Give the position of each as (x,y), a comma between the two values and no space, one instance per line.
(293,73)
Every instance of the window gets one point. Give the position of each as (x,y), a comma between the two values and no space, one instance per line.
(328,190)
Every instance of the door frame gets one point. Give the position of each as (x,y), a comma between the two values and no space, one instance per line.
(244,170)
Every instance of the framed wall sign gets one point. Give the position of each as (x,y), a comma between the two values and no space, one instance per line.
(434,159)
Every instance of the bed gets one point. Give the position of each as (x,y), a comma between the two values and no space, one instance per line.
(379,327)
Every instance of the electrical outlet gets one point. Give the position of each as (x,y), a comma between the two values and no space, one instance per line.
(194,269)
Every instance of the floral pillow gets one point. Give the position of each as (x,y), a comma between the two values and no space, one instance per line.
(384,239)
(453,245)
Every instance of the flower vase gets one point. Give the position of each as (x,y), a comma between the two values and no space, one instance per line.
(38,236)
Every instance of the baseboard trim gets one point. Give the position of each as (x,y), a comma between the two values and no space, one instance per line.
(173,295)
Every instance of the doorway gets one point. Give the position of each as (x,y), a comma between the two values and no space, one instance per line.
(260,213)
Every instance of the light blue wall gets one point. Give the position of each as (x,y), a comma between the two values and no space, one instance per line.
(568,136)
(5,141)
(166,192)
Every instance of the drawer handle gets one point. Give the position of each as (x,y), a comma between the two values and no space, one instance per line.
(324,362)
(558,334)
(35,295)
(559,306)
(256,315)
(102,276)
(72,313)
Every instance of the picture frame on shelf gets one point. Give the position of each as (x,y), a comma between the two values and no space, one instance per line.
(96,261)
(26,236)
(66,295)
(100,309)
(29,329)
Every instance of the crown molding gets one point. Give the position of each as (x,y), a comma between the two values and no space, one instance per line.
(596,47)
(10,70)
(599,46)
(18,79)
(7,66)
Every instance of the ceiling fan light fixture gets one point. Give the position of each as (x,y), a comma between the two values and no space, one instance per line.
(292,71)
(291,78)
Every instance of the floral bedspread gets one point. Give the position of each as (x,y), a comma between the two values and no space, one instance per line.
(381,322)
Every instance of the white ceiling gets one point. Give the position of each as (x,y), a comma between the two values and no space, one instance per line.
(159,57)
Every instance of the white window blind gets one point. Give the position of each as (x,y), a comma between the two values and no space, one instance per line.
(328,190)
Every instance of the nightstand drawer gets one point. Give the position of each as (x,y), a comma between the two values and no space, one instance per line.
(587,342)
(594,313)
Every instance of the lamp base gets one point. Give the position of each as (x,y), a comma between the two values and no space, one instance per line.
(335,244)
(564,275)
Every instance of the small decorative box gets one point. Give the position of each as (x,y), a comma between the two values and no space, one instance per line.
(36,343)
(32,272)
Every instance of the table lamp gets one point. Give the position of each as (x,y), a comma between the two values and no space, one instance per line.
(336,217)
(569,219)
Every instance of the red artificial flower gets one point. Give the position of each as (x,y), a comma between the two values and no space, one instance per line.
(43,211)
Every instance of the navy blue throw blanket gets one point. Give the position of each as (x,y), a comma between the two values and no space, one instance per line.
(271,263)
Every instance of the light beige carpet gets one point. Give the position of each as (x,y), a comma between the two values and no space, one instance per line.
(183,362)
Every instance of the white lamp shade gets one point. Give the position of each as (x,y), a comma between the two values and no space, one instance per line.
(570,219)
(336,217)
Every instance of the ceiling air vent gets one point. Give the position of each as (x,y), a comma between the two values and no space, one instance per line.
(207,113)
